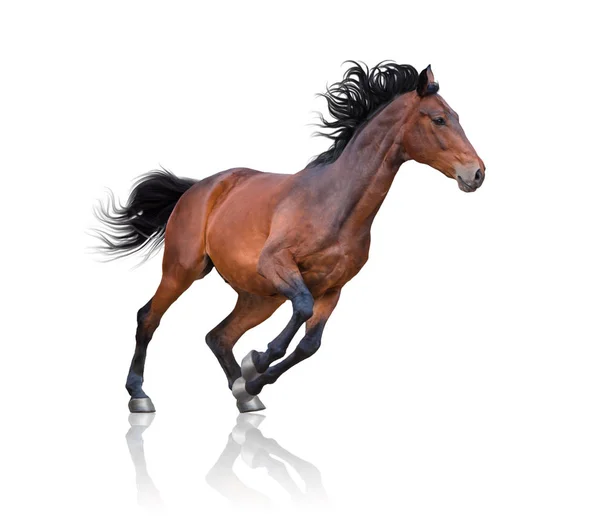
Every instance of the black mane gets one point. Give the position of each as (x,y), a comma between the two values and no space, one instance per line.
(357,97)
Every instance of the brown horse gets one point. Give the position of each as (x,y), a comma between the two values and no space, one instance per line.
(276,237)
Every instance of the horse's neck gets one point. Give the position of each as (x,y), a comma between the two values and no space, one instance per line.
(368,165)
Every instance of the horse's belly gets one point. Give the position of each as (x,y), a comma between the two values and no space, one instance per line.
(234,251)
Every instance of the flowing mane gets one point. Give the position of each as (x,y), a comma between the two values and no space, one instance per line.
(356,98)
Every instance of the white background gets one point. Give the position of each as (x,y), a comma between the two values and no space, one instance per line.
(458,382)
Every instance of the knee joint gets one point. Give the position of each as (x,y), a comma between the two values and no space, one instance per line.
(212,340)
(143,312)
(303,306)
(218,341)
(146,326)
(309,345)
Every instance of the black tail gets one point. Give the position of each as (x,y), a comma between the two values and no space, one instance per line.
(140,224)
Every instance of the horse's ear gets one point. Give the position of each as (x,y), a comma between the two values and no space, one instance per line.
(426,84)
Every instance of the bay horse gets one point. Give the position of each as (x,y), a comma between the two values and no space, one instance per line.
(275,237)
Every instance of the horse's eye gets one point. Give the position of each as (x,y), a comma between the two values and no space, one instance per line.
(439,121)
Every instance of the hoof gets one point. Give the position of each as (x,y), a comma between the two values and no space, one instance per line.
(254,404)
(141,405)
(245,401)
(239,390)
(249,371)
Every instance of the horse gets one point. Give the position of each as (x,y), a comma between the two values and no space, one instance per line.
(276,237)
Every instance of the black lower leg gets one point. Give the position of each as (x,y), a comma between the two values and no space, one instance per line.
(302,304)
(224,355)
(309,344)
(135,378)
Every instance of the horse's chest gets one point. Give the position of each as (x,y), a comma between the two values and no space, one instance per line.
(334,265)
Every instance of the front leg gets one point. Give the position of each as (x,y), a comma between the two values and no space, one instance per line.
(280,268)
(309,344)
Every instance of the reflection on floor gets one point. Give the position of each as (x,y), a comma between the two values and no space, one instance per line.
(245,441)
(148,495)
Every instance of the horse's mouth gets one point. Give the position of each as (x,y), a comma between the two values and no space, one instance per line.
(464,186)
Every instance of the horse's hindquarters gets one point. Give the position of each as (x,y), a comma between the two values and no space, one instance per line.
(238,228)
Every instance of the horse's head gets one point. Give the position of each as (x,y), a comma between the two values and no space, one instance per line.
(434,136)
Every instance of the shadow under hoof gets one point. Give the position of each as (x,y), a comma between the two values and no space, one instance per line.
(141,405)
(254,404)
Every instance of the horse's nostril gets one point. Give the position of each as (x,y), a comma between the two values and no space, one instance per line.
(478,175)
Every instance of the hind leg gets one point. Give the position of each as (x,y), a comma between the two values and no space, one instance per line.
(250,310)
(175,280)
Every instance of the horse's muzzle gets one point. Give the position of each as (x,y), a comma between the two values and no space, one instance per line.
(470,185)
